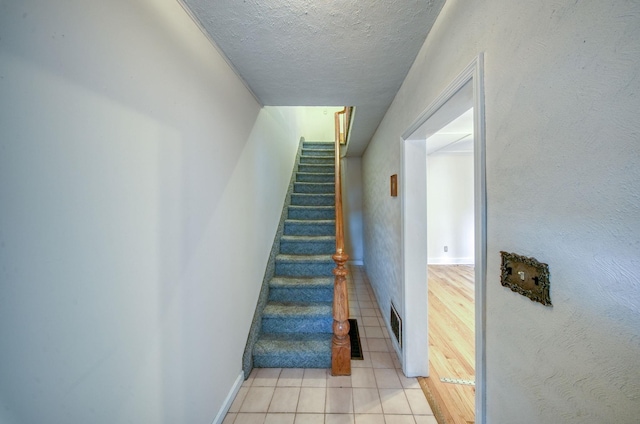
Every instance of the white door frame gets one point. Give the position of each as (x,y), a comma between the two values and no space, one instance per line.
(414,229)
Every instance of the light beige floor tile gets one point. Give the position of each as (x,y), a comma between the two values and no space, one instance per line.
(418,402)
(363,377)
(309,418)
(368,312)
(366,401)
(374,332)
(229,418)
(394,402)
(291,377)
(339,381)
(385,333)
(312,400)
(399,419)
(249,380)
(408,382)
(285,399)
(387,378)
(237,402)
(364,343)
(370,321)
(381,360)
(366,304)
(279,418)
(257,399)
(339,401)
(266,377)
(362,363)
(425,419)
(314,377)
(378,345)
(369,419)
(249,418)
(338,419)
(396,361)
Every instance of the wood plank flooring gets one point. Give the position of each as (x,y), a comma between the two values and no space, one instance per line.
(451,343)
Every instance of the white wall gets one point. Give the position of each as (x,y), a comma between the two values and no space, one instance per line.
(317,123)
(563,185)
(141,186)
(352,208)
(450,208)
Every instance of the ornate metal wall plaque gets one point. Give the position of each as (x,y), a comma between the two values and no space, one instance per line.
(526,276)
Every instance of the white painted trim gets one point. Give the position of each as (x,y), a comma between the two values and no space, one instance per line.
(359,262)
(228,401)
(480,216)
(415,342)
(414,269)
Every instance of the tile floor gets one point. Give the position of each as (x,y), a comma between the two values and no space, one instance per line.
(377,392)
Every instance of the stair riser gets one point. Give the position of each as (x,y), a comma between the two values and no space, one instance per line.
(291,269)
(311,213)
(314,178)
(317,145)
(317,169)
(309,229)
(317,160)
(293,359)
(297,294)
(298,199)
(297,325)
(325,188)
(307,247)
(317,152)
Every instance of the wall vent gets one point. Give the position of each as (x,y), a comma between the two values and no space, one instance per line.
(396,325)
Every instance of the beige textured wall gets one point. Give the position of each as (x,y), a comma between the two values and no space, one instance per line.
(563,185)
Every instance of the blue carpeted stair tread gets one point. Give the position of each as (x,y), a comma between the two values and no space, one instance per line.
(307,245)
(318,152)
(311,212)
(301,282)
(297,310)
(308,238)
(306,199)
(304,258)
(283,350)
(314,188)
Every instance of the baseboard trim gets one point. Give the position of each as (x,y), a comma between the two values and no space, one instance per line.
(229,399)
(356,263)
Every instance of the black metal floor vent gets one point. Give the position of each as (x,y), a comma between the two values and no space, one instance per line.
(354,336)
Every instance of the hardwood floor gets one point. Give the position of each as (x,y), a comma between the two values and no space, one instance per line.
(451,343)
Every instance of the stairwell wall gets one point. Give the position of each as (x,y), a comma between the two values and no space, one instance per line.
(141,185)
(563,185)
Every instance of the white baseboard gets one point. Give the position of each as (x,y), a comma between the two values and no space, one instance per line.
(359,262)
(229,399)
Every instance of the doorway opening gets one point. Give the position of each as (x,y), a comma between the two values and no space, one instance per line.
(450,271)
(464,95)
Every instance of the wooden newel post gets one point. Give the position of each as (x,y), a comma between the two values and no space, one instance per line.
(341,344)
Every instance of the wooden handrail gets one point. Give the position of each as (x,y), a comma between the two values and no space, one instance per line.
(341,345)
(346,116)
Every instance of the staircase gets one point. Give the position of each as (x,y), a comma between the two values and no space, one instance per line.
(296,322)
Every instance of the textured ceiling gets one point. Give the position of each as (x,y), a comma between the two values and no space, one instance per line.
(321,53)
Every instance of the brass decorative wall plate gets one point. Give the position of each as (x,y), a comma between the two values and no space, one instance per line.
(526,276)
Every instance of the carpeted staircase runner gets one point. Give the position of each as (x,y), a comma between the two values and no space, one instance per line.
(296,325)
